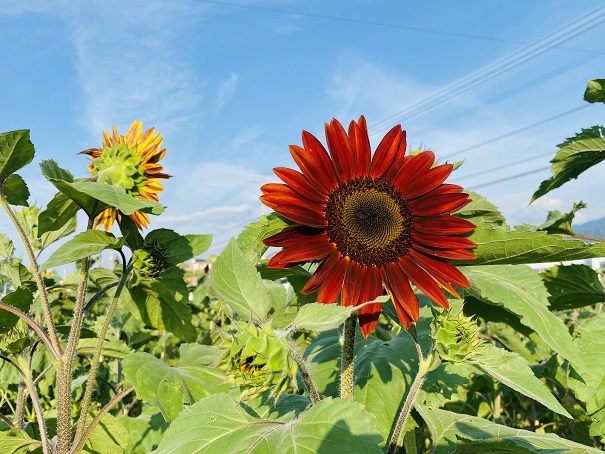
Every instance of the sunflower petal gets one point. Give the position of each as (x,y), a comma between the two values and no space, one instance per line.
(389,154)
(340,150)
(423,280)
(360,144)
(398,287)
(299,183)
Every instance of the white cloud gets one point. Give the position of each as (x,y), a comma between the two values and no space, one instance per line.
(226,90)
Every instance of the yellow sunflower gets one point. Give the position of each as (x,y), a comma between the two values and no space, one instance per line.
(129,162)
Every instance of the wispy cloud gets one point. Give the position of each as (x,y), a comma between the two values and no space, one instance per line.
(132,64)
(226,90)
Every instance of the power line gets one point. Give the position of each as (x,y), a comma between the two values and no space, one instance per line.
(504,166)
(505,64)
(511,177)
(516,131)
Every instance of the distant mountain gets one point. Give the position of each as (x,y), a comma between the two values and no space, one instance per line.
(592,228)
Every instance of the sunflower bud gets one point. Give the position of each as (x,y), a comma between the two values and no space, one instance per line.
(455,337)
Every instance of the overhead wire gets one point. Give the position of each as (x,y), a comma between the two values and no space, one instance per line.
(510,177)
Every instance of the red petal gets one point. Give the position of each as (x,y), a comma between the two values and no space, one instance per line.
(425,182)
(306,252)
(371,289)
(423,281)
(340,150)
(328,278)
(314,163)
(294,235)
(443,241)
(433,205)
(276,261)
(389,153)
(360,143)
(441,225)
(454,254)
(398,287)
(440,268)
(352,285)
(300,215)
(300,184)
(414,167)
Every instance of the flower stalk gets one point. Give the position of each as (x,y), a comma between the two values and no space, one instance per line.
(347,356)
(303,369)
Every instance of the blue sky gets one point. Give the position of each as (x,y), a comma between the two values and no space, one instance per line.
(230,87)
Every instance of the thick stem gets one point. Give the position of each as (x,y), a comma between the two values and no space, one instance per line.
(347,356)
(35,269)
(79,441)
(65,366)
(303,369)
(94,363)
(423,370)
(21,398)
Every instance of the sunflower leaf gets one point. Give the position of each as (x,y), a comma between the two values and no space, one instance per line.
(514,371)
(82,245)
(322,317)
(481,210)
(22,299)
(572,286)
(170,388)
(16,151)
(339,426)
(251,239)
(238,283)
(177,248)
(16,190)
(18,442)
(595,91)
(447,428)
(573,158)
(500,245)
(59,212)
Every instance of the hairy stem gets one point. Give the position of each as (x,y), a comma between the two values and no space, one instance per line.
(21,398)
(79,441)
(303,369)
(423,370)
(65,366)
(94,362)
(35,269)
(347,355)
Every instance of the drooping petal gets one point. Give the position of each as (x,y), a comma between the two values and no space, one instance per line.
(371,289)
(332,285)
(423,281)
(397,285)
(440,268)
(324,269)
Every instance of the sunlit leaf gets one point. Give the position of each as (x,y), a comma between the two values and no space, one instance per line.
(19,442)
(338,426)
(7,248)
(59,212)
(239,285)
(595,91)
(16,151)
(251,239)
(108,437)
(82,245)
(481,210)
(20,298)
(322,317)
(16,191)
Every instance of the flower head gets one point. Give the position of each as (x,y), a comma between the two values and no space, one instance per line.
(129,162)
(371,221)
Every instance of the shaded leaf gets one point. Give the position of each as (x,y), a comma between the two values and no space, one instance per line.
(572,286)
(18,442)
(82,245)
(111,349)
(595,91)
(108,437)
(560,223)
(239,285)
(512,370)
(171,388)
(16,151)
(339,426)
(59,212)
(20,298)
(7,248)
(447,428)
(175,247)
(16,191)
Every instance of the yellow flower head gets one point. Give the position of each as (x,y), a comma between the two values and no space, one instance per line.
(129,162)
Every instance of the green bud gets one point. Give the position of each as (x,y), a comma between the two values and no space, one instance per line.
(455,337)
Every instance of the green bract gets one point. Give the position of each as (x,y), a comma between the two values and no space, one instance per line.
(455,337)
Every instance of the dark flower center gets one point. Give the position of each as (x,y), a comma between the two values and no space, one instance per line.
(369,221)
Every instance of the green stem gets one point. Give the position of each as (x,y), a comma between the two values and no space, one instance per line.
(79,442)
(423,370)
(347,355)
(94,363)
(35,269)
(21,398)
(303,369)
(65,366)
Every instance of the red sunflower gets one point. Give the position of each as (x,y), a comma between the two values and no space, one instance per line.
(371,221)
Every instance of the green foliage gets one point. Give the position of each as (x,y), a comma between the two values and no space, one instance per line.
(82,245)
(556,222)
(21,298)
(595,91)
(340,426)
(16,151)
(572,286)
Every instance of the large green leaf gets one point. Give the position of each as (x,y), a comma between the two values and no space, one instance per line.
(588,382)
(16,151)
(251,239)
(82,245)
(322,317)
(171,388)
(573,286)
(512,370)
(18,442)
(481,210)
(15,189)
(176,248)
(447,428)
(595,91)
(59,212)
(338,426)
(163,304)
(145,432)
(108,437)
(239,285)
(21,298)
(556,222)
(500,245)
(571,160)
(520,291)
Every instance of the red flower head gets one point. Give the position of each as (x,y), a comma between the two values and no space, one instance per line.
(371,221)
